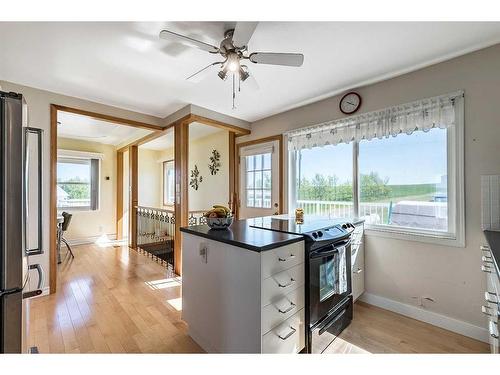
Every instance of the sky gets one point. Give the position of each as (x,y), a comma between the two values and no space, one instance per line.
(418,158)
(65,171)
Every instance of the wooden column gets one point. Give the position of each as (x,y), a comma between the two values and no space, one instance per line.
(233,196)
(119,195)
(181,159)
(133,194)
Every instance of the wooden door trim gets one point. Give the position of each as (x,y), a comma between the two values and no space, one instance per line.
(108,118)
(181,207)
(272,138)
(219,124)
(53,200)
(133,154)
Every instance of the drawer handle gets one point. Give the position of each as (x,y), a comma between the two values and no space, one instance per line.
(292,280)
(485,248)
(292,306)
(285,259)
(485,310)
(494,298)
(486,259)
(293,330)
(486,269)
(359,270)
(493,328)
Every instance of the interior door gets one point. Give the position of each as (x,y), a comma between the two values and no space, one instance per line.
(259,180)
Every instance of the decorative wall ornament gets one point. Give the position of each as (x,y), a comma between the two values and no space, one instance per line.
(196,179)
(214,165)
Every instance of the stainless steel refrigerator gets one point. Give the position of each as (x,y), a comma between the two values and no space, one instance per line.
(20,220)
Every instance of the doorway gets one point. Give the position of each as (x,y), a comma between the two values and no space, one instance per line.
(84,177)
(260,177)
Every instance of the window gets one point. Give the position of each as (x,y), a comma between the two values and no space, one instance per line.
(258,180)
(168,183)
(403,180)
(324,181)
(77,183)
(402,170)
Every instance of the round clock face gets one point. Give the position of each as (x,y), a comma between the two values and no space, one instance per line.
(350,103)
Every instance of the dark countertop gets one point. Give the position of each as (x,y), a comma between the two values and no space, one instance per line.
(493,239)
(242,235)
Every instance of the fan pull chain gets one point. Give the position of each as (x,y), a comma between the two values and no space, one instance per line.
(234,93)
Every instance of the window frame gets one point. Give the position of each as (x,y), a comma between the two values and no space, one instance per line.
(65,155)
(455,186)
(165,194)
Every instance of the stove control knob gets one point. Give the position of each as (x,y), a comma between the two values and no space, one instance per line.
(314,234)
(344,226)
(320,234)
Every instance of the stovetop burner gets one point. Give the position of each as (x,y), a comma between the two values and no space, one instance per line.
(313,228)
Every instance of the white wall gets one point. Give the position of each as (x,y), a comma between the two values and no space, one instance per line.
(398,269)
(214,189)
(87,224)
(39,117)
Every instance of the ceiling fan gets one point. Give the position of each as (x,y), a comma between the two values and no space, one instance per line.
(234,51)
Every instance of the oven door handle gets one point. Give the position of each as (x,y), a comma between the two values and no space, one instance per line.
(332,322)
(332,250)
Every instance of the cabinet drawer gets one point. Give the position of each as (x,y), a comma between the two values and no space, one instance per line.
(281,258)
(287,338)
(275,313)
(276,286)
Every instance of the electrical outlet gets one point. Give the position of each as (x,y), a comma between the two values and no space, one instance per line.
(204,252)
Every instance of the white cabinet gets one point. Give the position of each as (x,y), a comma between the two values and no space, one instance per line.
(235,300)
(358,261)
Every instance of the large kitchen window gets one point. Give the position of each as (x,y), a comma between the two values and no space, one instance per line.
(77,183)
(402,172)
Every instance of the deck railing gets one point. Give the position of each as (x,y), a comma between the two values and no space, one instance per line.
(378,212)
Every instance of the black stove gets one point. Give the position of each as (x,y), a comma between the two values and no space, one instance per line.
(328,274)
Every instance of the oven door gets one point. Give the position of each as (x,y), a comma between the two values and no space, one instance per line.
(329,279)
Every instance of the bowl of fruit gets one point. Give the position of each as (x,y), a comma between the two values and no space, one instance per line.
(219,217)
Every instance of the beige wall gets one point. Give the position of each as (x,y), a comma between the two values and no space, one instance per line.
(398,269)
(214,189)
(39,117)
(150,178)
(87,224)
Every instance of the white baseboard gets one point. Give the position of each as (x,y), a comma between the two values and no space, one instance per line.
(87,240)
(442,321)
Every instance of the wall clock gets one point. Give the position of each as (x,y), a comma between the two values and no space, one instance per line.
(350,103)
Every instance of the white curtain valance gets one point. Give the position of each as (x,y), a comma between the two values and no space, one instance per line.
(425,114)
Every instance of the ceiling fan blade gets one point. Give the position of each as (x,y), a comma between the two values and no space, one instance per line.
(201,74)
(243,32)
(288,59)
(170,35)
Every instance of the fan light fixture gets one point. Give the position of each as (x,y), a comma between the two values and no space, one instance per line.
(234,48)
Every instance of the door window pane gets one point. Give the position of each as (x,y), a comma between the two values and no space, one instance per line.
(258,180)
(403,180)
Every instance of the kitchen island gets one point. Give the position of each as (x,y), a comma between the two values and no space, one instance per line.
(243,289)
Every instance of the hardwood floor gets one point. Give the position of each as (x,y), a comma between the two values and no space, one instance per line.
(375,330)
(114,300)
(110,300)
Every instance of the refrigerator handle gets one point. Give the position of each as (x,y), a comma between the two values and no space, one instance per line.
(32,250)
(41,281)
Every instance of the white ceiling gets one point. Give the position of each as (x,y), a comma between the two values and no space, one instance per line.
(126,64)
(196,131)
(85,128)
